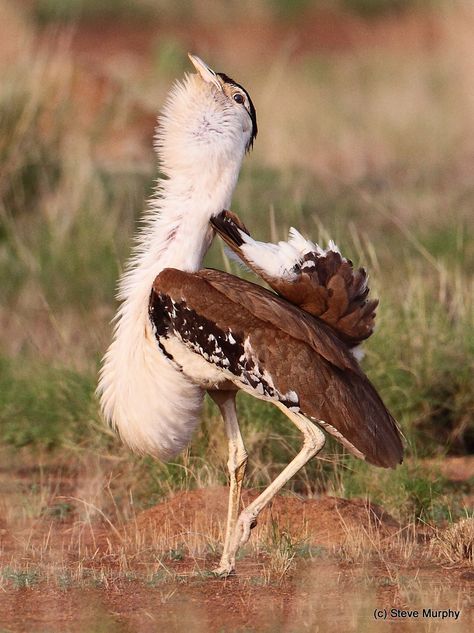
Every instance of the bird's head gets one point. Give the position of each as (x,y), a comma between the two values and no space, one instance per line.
(207,119)
(231,102)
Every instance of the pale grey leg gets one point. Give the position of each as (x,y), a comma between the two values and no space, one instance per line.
(236,464)
(314,440)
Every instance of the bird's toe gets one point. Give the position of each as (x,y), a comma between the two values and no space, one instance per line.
(224,570)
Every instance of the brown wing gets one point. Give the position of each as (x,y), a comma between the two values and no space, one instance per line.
(277,351)
(326,286)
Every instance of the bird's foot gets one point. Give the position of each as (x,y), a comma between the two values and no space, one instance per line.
(224,570)
(245,523)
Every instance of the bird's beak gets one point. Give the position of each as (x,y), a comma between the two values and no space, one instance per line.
(203,69)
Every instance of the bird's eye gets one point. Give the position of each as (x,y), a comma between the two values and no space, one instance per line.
(238,98)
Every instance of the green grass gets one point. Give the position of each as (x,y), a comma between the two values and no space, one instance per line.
(44,407)
(375,8)
(20,578)
(46,11)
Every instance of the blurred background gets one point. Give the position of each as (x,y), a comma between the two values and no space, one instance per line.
(366,136)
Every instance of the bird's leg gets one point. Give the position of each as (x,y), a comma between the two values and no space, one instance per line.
(314,440)
(236,464)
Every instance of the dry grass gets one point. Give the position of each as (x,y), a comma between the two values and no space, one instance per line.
(93,538)
(91,553)
(456,542)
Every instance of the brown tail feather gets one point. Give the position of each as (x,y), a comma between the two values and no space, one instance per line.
(326,286)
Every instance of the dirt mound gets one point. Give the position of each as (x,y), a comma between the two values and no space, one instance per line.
(327,521)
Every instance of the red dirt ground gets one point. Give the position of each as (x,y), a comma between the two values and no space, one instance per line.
(319,522)
(330,590)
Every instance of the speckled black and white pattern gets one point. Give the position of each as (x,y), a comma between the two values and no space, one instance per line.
(225,349)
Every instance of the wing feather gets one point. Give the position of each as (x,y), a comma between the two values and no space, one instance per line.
(298,357)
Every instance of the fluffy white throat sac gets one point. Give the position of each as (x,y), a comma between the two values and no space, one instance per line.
(153,407)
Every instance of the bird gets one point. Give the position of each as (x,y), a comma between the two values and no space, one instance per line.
(182,331)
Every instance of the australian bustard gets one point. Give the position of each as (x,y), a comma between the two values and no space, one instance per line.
(181,331)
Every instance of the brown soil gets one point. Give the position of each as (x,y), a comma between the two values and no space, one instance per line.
(326,521)
(336,586)
(326,598)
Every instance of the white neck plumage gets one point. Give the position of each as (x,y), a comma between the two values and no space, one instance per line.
(176,231)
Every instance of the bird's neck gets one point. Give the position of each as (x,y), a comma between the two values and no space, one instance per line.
(181,233)
(176,231)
